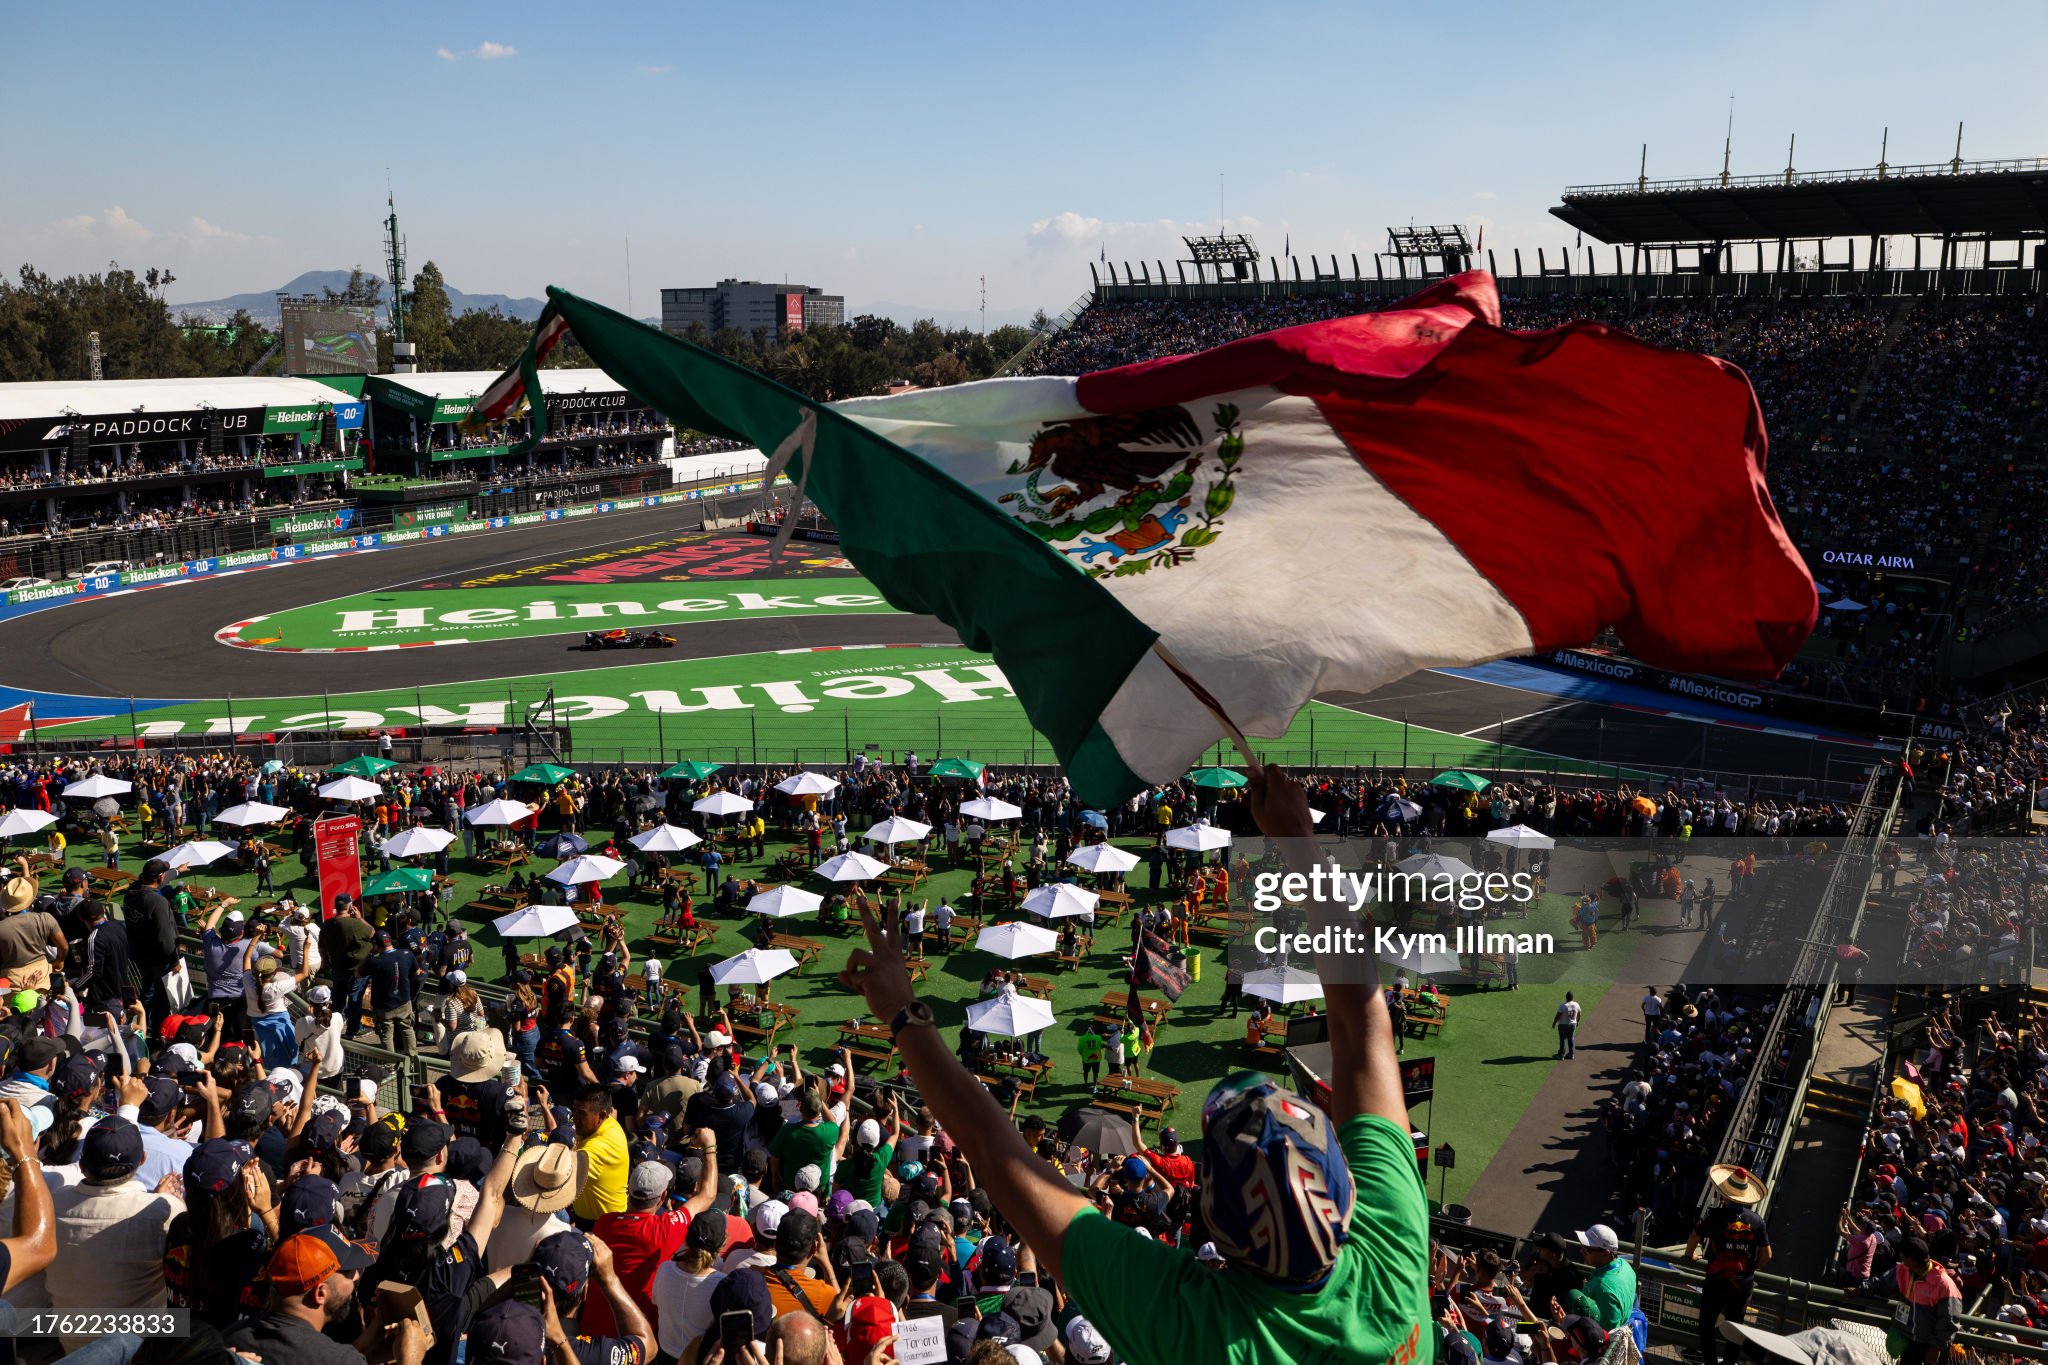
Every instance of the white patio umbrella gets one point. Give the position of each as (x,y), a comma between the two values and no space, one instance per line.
(498,812)
(852,867)
(784,902)
(535,921)
(1283,985)
(1103,858)
(1017,940)
(1010,1016)
(351,788)
(665,839)
(587,867)
(989,808)
(1521,836)
(251,813)
(753,967)
(807,784)
(197,853)
(723,803)
(417,843)
(1435,865)
(1060,900)
(23,821)
(1198,838)
(97,785)
(897,830)
(1418,963)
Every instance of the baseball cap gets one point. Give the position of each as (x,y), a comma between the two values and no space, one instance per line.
(1600,1237)
(1500,1338)
(865,1224)
(867,1135)
(508,1333)
(309,1202)
(1032,1307)
(180,1057)
(321,995)
(252,1103)
(768,1216)
(112,1151)
(1208,1253)
(423,1210)
(649,1183)
(424,1140)
(305,1260)
(717,1038)
(997,1263)
(287,1082)
(39,1052)
(566,1261)
(629,1065)
(839,1205)
(165,1095)
(835,1069)
(707,1232)
(921,1263)
(214,1165)
(76,1077)
(764,1093)
(805,1201)
(808,1176)
(1086,1345)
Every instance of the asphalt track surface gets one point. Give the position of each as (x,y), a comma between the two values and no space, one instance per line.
(159,643)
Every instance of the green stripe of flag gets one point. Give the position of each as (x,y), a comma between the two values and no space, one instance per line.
(928,543)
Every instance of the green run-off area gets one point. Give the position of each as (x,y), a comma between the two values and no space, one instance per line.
(810,706)
(535,609)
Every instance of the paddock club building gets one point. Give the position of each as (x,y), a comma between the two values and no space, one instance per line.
(416,426)
(78,453)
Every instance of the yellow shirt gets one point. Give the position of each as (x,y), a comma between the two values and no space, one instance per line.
(604,1188)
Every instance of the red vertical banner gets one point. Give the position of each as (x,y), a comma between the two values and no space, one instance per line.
(338,860)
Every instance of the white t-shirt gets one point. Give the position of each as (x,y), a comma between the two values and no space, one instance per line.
(913,920)
(1568,1013)
(682,1306)
(327,1039)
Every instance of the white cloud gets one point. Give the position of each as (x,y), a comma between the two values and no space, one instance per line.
(77,227)
(119,224)
(482,52)
(1138,239)
(652,69)
(204,233)
(1486,194)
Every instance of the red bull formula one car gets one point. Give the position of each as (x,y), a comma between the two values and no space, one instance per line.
(628,639)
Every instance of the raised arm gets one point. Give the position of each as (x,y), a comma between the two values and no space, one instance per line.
(1367,1074)
(1033,1197)
(34,1243)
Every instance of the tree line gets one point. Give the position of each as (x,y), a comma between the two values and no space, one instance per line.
(45,322)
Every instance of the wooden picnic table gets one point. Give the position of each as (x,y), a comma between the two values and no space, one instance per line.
(1117,1004)
(40,862)
(684,876)
(807,950)
(868,1042)
(505,860)
(670,988)
(600,910)
(1035,985)
(108,878)
(1031,1073)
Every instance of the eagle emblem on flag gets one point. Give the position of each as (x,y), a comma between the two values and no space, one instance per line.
(1151,462)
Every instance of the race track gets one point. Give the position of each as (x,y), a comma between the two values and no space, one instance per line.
(160,643)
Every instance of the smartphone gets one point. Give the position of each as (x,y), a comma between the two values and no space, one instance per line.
(191,1078)
(862,1278)
(735,1330)
(1028,1278)
(525,1284)
(967,1306)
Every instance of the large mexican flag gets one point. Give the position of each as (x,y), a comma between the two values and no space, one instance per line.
(1163,554)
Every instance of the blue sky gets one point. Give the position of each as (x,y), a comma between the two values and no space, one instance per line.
(899,152)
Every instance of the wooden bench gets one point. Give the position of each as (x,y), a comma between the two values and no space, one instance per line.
(1137,1113)
(868,1054)
(1066,960)
(505,862)
(1035,985)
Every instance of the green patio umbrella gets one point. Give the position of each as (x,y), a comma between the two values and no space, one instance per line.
(364,765)
(1462,780)
(692,770)
(958,767)
(399,879)
(546,773)
(1217,777)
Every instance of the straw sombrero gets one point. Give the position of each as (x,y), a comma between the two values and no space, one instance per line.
(1736,1184)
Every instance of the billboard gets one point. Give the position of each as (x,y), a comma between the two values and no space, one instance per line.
(792,314)
(328,338)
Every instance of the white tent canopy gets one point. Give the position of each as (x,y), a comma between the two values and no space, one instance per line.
(1010,1016)
(97,785)
(196,854)
(22,820)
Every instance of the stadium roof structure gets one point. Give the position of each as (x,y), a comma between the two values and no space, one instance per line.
(1948,199)
(123,397)
(472,383)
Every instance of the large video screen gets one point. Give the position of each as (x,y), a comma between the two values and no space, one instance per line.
(328,339)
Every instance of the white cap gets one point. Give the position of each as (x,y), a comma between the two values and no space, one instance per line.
(1024,1355)
(764,1093)
(808,1176)
(1600,1237)
(184,1055)
(835,1070)
(234,917)
(768,1216)
(1085,1345)
(629,1064)
(456,977)
(717,1038)
(288,1081)
(1209,1253)
(868,1136)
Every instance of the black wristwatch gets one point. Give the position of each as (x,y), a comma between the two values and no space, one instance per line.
(916,1014)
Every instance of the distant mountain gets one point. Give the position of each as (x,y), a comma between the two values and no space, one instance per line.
(263,306)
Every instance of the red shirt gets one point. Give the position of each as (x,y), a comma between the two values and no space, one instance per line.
(640,1242)
(1179,1169)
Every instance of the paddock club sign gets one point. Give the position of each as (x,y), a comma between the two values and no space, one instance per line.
(50,433)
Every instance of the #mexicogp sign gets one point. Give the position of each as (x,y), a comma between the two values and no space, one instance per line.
(336,856)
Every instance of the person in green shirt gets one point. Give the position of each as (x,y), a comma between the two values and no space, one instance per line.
(1090,1046)
(1321,1218)
(874,1146)
(809,1142)
(1608,1296)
